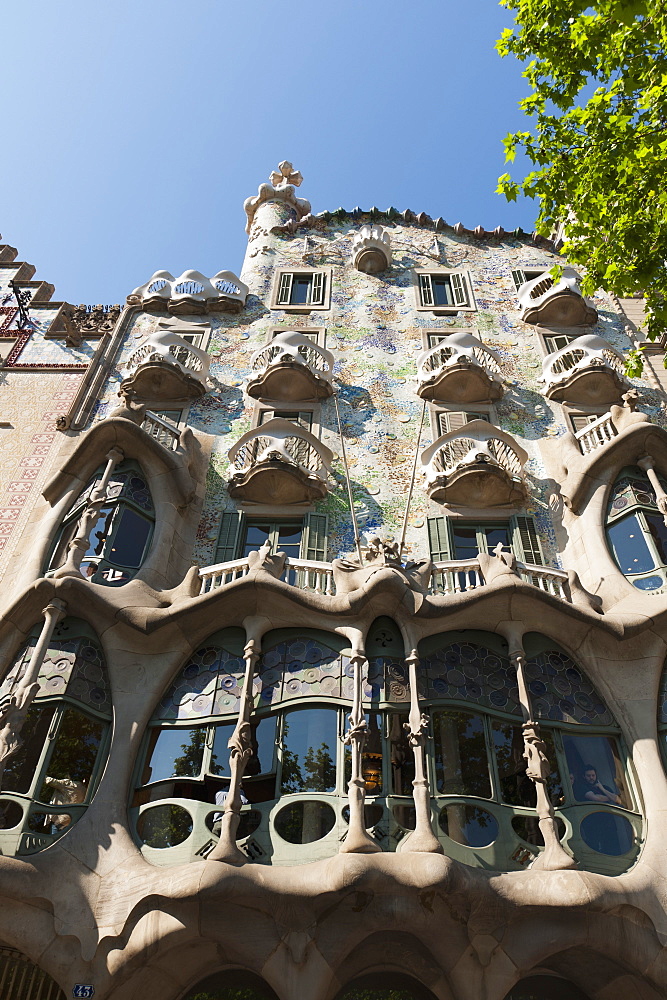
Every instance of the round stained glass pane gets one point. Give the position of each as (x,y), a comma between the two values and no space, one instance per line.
(164,826)
(607,833)
(304,822)
(468,825)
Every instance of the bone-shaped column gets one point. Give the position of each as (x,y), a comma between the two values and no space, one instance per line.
(422,837)
(357,840)
(15,709)
(646,463)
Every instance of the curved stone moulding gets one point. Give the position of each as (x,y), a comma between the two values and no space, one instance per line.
(476,466)
(588,370)
(291,368)
(460,369)
(279,463)
(371,249)
(190,293)
(544,302)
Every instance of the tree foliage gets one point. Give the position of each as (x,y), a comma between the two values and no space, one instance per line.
(598,141)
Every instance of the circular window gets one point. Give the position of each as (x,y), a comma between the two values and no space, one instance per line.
(248,823)
(372,815)
(468,825)
(607,833)
(304,822)
(11,814)
(528,829)
(164,826)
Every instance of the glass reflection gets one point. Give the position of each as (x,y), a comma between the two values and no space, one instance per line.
(515,787)
(263,738)
(606,833)
(304,822)
(595,769)
(175,753)
(164,826)
(528,829)
(21,766)
(461,760)
(629,545)
(309,750)
(401,756)
(468,825)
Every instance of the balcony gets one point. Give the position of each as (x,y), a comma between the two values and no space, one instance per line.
(190,294)
(588,370)
(291,368)
(546,302)
(162,431)
(475,466)
(460,369)
(279,463)
(166,367)
(448,578)
(596,434)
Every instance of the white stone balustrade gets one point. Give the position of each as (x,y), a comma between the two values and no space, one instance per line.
(544,301)
(479,450)
(190,293)
(588,369)
(162,430)
(291,367)
(596,434)
(460,368)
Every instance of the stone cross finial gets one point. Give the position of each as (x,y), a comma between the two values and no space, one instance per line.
(284,175)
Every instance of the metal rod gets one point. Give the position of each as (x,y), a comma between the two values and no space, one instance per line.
(412,483)
(357,538)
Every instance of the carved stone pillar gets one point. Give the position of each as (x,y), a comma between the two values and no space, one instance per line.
(14,710)
(78,546)
(646,463)
(538,769)
(357,840)
(422,838)
(240,745)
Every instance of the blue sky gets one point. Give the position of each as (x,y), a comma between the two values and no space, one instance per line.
(134,130)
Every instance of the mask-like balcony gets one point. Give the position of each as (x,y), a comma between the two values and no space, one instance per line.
(291,368)
(587,370)
(279,463)
(546,302)
(190,294)
(476,466)
(460,369)
(166,367)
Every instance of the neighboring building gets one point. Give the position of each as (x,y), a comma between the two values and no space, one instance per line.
(254,747)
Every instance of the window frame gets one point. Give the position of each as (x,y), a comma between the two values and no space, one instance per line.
(528,273)
(303,307)
(439,415)
(442,335)
(317,333)
(639,511)
(419,274)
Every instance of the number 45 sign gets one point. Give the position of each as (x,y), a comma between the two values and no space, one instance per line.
(80,990)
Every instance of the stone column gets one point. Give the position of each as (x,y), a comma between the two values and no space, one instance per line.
(422,837)
(646,463)
(14,710)
(79,544)
(357,840)
(240,745)
(538,769)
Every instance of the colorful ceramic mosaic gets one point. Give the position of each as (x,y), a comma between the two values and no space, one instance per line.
(466,671)
(72,668)
(561,693)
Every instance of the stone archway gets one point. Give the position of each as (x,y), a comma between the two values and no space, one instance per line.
(545,988)
(234,984)
(385,986)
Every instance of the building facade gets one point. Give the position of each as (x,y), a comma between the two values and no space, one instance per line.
(334,619)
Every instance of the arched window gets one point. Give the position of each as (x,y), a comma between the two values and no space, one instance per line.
(120,538)
(484,800)
(236,984)
(21,979)
(636,531)
(50,779)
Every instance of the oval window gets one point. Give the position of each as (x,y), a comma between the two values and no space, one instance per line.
(248,823)
(164,826)
(606,833)
(372,815)
(11,814)
(304,822)
(468,825)
(528,829)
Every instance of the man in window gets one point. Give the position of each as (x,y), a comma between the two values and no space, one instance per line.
(589,789)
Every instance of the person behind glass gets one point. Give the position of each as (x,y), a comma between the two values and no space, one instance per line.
(220,799)
(589,789)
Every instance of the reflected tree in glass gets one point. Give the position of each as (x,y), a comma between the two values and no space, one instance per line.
(461,758)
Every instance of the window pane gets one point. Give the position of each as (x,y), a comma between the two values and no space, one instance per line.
(595,770)
(255,536)
(289,540)
(401,756)
(465,542)
(300,290)
(658,529)
(309,754)
(263,734)
(629,545)
(442,291)
(130,539)
(606,833)
(72,762)
(461,760)
(100,533)
(20,767)
(515,787)
(175,753)
(498,533)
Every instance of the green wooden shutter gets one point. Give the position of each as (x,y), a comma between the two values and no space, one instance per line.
(425,289)
(519,279)
(285,288)
(227,546)
(317,289)
(438,538)
(314,538)
(459,289)
(525,540)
